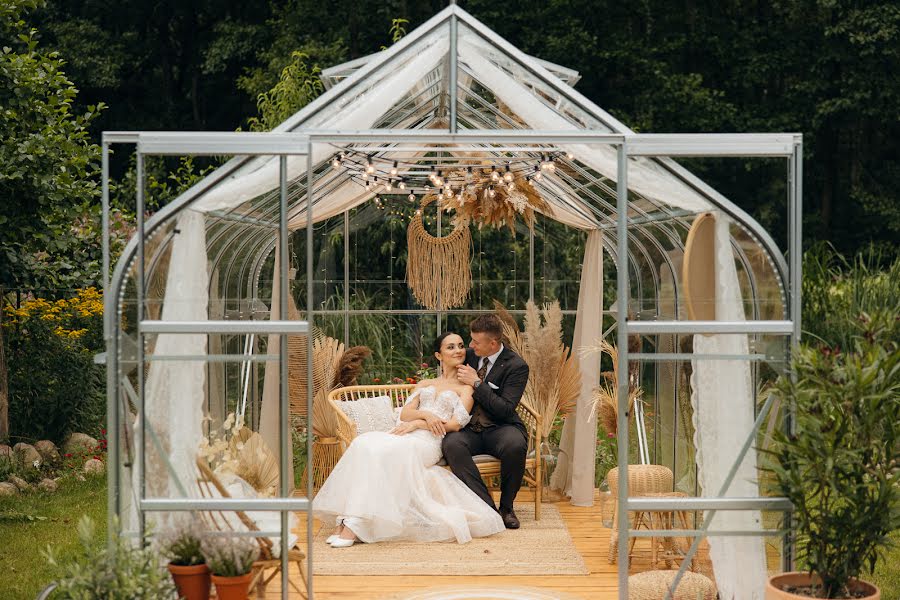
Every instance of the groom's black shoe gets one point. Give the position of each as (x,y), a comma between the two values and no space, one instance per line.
(510,520)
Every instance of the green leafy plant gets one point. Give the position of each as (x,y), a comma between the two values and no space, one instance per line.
(841,466)
(181,542)
(124,572)
(230,556)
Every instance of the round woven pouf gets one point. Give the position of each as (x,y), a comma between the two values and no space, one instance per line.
(653,585)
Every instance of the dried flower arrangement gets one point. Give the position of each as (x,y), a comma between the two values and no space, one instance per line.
(605,403)
(238,451)
(489,199)
(554,379)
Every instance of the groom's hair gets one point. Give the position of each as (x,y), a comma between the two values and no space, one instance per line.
(489,324)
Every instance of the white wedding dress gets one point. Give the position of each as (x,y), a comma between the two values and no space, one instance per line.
(393,489)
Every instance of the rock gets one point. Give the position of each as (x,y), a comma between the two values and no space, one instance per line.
(47,450)
(47,485)
(21,484)
(27,455)
(94,467)
(80,443)
(8,489)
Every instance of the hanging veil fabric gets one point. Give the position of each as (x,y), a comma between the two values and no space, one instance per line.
(438,269)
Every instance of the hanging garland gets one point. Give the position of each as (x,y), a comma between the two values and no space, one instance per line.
(438,270)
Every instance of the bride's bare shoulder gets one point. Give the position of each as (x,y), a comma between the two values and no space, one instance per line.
(425,383)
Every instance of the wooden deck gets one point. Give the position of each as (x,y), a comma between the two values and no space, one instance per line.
(584,524)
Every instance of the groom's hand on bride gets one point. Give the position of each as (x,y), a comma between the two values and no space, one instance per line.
(466,374)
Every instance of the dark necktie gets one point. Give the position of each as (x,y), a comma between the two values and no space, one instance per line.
(482,371)
(479,419)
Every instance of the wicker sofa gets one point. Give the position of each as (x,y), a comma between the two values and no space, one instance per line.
(488,466)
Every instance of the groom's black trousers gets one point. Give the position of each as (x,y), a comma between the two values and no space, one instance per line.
(505,442)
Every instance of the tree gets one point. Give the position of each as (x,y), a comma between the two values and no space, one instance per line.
(48,164)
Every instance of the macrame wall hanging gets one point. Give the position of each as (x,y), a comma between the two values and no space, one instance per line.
(438,270)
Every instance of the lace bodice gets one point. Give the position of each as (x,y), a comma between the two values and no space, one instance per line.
(445,405)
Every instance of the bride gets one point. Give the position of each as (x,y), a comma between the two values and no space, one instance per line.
(387,486)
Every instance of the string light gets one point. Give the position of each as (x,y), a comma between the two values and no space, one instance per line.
(508,176)
(570,156)
(370,167)
(402,184)
(336,162)
(388,187)
(412,197)
(495,176)
(394,169)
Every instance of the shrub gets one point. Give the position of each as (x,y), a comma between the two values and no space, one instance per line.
(841,466)
(123,573)
(54,386)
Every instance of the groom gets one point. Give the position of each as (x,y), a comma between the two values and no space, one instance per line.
(498,376)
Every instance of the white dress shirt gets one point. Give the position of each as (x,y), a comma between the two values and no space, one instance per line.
(493,358)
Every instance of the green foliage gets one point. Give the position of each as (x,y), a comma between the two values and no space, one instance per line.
(181,543)
(123,573)
(55,387)
(48,164)
(230,556)
(298,85)
(841,466)
(836,291)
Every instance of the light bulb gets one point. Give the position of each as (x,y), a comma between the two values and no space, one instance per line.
(370,168)
(468,174)
(491,192)
(511,186)
(570,156)
(438,182)
(368,186)
(508,176)
(402,184)
(538,176)
(551,166)
(365,176)
(495,176)
(336,162)
(411,197)
(388,186)
(448,192)
(394,169)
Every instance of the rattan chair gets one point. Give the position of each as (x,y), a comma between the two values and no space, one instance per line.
(267,567)
(488,466)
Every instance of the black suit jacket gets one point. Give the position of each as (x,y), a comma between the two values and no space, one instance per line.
(510,376)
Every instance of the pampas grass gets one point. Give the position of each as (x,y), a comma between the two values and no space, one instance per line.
(554,379)
(605,396)
(350,366)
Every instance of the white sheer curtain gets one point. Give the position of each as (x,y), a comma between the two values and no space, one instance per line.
(574,473)
(175,389)
(723,404)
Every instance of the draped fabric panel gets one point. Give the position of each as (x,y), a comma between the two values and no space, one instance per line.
(722,402)
(574,473)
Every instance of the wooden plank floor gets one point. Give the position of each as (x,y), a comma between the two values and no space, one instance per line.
(584,524)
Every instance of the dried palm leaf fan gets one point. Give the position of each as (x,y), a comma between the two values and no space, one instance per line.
(297,365)
(257,464)
(438,271)
(554,378)
(605,400)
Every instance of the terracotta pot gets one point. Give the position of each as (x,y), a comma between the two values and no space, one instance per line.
(192,581)
(232,588)
(774,585)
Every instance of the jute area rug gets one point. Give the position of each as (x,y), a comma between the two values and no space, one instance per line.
(537,548)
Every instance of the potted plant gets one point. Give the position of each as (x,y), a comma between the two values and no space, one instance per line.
(230,559)
(121,572)
(181,544)
(841,466)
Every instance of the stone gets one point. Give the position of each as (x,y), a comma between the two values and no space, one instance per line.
(80,443)
(48,485)
(47,450)
(21,484)
(94,467)
(27,455)
(8,489)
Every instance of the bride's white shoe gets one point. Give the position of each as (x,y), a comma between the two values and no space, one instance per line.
(343,542)
(331,538)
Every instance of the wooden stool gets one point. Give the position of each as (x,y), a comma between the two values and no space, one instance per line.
(653,585)
(642,481)
(662,519)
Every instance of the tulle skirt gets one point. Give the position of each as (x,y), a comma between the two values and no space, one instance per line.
(392,487)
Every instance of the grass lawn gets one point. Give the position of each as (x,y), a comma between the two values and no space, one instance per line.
(31,522)
(887,573)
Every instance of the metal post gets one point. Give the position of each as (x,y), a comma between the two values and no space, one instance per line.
(454,71)
(283,368)
(139,208)
(310,289)
(531,265)
(622,293)
(346,278)
(112,413)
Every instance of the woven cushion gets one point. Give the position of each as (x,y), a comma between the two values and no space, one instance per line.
(652,585)
(370,414)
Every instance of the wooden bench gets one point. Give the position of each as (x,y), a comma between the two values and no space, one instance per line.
(488,466)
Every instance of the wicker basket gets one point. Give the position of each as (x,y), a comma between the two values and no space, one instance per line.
(653,585)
